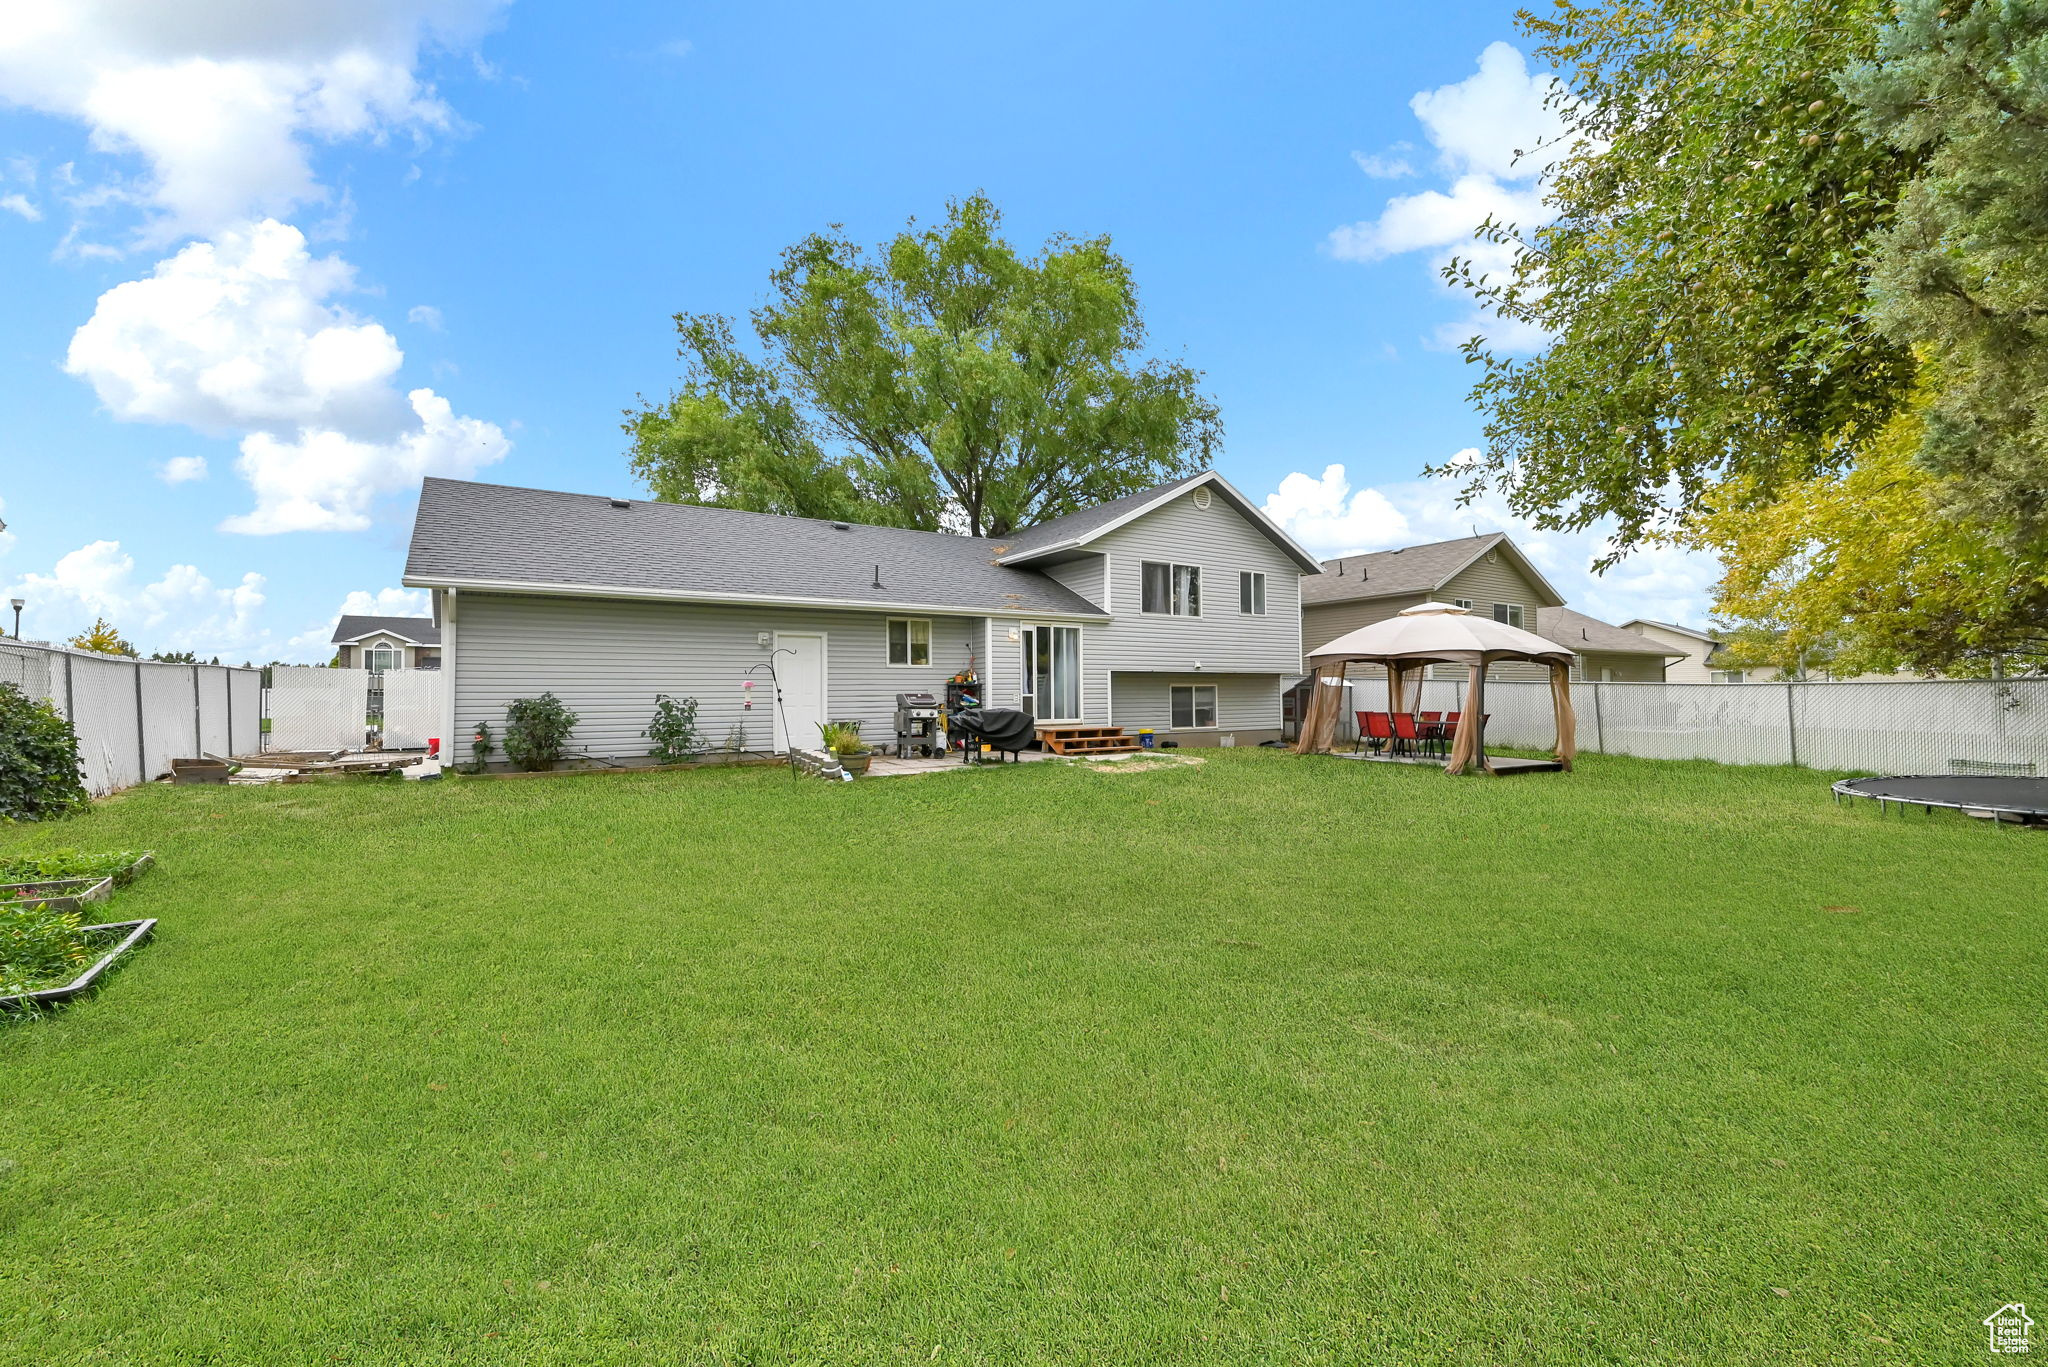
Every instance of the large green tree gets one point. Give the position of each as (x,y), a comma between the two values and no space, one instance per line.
(1961,272)
(941,381)
(1699,279)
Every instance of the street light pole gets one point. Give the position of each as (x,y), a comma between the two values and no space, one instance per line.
(19,604)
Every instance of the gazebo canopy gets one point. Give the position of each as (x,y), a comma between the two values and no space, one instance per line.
(1438,633)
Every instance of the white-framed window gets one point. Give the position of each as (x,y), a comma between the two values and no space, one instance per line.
(1510,613)
(1727,676)
(1172,590)
(910,641)
(1194,707)
(377,659)
(1051,663)
(1465,603)
(1251,593)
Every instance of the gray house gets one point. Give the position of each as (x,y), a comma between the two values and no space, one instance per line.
(1176,609)
(381,643)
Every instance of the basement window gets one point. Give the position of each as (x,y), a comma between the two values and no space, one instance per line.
(1194,707)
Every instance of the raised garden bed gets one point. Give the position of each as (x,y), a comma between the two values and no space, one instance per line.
(59,894)
(117,937)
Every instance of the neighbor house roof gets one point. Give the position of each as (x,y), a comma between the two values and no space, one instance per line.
(1577,632)
(1693,632)
(493,536)
(421,631)
(1412,569)
(1076,530)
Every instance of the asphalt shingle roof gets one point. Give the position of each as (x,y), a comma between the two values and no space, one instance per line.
(419,629)
(1575,631)
(1076,525)
(468,532)
(1412,569)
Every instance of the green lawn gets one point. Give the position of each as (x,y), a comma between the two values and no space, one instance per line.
(1262,1060)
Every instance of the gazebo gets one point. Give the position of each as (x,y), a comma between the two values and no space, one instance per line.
(1438,633)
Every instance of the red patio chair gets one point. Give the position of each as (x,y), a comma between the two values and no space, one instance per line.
(1407,736)
(1373,727)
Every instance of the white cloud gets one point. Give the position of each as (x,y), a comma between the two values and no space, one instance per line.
(676,47)
(182,469)
(1331,518)
(223,98)
(424,315)
(182,610)
(325,480)
(1495,139)
(245,333)
(20,204)
(1393,164)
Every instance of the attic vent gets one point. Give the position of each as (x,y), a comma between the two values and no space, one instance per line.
(842,526)
(1493,557)
(621,503)
(1201,497)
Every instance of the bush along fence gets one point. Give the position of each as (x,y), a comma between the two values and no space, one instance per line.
(1932,726)
(133,717)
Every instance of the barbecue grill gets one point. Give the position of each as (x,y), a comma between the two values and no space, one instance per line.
(917,724)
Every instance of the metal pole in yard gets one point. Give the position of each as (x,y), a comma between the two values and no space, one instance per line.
(227,680)
(198,728)
(70,703)
(141,730)
(1599,724)
(1791,722)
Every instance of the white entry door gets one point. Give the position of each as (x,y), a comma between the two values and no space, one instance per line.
(800,672)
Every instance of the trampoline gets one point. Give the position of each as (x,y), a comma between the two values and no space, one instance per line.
(1987,795)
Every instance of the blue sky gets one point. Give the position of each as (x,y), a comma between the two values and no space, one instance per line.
(264,272)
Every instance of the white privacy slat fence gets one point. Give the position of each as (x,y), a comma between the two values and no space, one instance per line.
(1934,726)
(412,707)
(134,716)
(318,709)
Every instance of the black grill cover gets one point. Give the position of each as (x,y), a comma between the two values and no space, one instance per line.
(1001,727)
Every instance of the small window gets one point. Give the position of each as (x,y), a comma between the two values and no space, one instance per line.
(1465,603)
(1727,676)
(1172,590)
(380,658)
(1510,613)
(910,641)
(1251,593)
(1194,707)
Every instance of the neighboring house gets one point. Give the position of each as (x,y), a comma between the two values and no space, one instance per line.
(381,643)
(1706,660)
(1488,575)
(1176,609)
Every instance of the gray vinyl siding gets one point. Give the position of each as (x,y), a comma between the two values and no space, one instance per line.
(607,658)
(1627,668)
(1487,583)
(1246,704)
(1221,640)
(1084,576)
(1323,623)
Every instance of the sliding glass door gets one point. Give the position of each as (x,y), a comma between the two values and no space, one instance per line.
(1052,673)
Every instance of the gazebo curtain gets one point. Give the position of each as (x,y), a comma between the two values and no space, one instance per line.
(1325,706)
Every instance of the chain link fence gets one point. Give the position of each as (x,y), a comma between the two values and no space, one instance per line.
(1932,726)
(134,716)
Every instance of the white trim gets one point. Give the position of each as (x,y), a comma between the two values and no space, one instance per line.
(1108,582)
(448,737)
(824,683)
(1258,594)
(1215,708)
(383,631)
(739,599)
(1251,510)
(908,663)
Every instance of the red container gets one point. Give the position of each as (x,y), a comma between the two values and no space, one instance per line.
(433,747)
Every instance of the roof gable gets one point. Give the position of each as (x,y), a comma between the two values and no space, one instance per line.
(1076,530)
(419,631)
(1577,632)
(1415,569)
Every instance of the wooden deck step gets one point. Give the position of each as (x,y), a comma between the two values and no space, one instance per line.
(1086,740)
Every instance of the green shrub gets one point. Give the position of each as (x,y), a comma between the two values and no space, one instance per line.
(52,864)
(39,948)
(843,737)
(480,748)
(674,730)
(39,776)
(537,731)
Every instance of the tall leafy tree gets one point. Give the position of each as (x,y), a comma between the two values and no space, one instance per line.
(1961,272)
(1700,280)
(103,638)
(941,381)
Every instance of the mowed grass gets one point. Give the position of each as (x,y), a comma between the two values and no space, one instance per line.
(1262,1060)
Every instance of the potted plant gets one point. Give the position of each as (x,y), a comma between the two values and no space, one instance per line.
(842,738)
